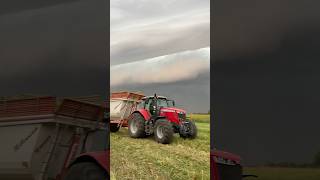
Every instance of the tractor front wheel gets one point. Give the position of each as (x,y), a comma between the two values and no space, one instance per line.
(136,126)
(163,131)
(188,130)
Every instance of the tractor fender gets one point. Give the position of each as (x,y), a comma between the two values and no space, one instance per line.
(144,113)
(160,117)
(100,158)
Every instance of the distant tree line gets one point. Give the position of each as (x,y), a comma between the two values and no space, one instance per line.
(315,163)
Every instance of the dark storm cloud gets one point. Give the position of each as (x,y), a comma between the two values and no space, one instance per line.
(145,29)
(56,49)
(265,86)
(188,31)
(157,46)
(15,6)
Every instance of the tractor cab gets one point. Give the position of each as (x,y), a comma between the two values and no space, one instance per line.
(160,101)
(160,106)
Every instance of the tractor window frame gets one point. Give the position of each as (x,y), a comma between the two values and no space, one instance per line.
(141,105)
(162,100)
(147,103)
(173,103)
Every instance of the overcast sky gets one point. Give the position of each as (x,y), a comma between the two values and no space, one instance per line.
(163,47)
(53,47)
(266,79)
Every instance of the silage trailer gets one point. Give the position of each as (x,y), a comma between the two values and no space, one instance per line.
(47,138)
(122,104)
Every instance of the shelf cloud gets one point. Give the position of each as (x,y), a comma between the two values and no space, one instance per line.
(187,65)
(188,31)
(162,46)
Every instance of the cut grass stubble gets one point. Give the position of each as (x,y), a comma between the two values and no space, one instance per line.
(147,159)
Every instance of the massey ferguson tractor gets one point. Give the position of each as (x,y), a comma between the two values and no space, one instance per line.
(150,115)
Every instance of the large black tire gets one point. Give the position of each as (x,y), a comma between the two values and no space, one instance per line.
(114,127)
(86,171)
(163,131)
(136,126)
(191,131)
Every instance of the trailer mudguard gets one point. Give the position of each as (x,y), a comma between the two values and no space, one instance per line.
(101,158)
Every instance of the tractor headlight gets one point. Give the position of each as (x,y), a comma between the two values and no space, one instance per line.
(182,116)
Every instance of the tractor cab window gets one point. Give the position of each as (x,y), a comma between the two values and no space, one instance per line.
(162,103)
(147,103)
(171,103)
(165,103)
(141,105)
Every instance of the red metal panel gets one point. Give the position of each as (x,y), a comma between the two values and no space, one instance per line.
(29,106)
(49,105)
(102,158)
(226,155)
(77,109)
(144,113)
(213,168)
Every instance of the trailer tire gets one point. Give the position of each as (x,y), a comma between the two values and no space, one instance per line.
(86,171)
(136,126)
(114,127)
(163,131)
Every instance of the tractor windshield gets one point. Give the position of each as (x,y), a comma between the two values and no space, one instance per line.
(170,103)
(165,103)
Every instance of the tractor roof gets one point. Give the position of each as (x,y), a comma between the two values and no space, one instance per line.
(159,97)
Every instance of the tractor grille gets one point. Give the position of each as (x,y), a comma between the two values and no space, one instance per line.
(182,116)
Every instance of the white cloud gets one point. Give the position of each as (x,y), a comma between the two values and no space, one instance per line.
(185,65)
(145,29)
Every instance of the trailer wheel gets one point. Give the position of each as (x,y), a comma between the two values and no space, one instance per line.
(86,171)
(163,132)
(188,130)
(114,127)
(136,126)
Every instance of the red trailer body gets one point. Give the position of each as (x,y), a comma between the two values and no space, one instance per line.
(122,104)
(48,134)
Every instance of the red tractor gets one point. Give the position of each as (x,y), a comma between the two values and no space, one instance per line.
(158,115)
(226,166)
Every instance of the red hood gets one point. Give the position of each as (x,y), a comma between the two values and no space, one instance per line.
(173,109)
(225,155)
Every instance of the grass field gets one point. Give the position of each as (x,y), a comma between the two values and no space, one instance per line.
(147,159)
(272,173)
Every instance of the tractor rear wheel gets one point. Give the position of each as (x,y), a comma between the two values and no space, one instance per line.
(163,131)
(86,171)
(136,126)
